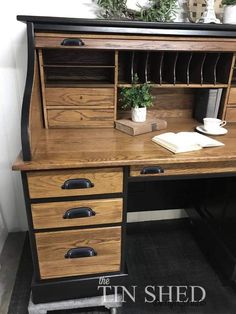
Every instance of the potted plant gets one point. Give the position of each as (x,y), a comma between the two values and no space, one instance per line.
(137,98)
(229,11)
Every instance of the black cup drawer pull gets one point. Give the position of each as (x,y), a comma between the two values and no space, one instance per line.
(77,184)
(152,170)
(78,212)
(80,252)
(72,42)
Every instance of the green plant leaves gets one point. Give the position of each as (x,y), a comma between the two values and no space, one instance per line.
(136,96)
(229,2)
(113,9)
(158,10)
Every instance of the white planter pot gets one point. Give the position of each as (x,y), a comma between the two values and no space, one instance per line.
(139,114)
(229,16)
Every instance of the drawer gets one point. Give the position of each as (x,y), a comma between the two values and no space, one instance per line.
(182,169)
(43,184)
(52,248)
(232,96)
(81,97)
(113,42)
(230,115)
(81,118)
(77,213)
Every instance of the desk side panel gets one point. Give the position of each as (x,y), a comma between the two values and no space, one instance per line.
(31,116)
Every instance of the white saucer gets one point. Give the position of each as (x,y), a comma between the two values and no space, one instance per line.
(221,131)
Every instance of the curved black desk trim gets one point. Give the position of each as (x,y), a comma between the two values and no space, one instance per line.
(25,113)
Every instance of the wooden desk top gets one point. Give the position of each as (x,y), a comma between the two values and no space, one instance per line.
(75,148)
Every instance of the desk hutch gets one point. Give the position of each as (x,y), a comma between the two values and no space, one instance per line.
(78,171)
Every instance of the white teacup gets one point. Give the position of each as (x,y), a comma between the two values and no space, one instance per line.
(213,124)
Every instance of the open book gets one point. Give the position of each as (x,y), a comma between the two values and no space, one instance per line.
(184,141)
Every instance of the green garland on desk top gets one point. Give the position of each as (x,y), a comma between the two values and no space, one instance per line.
(229,2)
(154,11)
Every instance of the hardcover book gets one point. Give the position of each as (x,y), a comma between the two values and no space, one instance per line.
(207,103)
(185,141)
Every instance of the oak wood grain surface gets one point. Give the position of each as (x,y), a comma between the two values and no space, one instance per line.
(50,215)
(178,85)
(231,114)
(36,116)
(157,43)
(232,96)
(225,98)
(80,97)
(81,118)
(52,247)
(58,149)
(130,37)
(42,86)
(186,169)
(167,103)
(49,183)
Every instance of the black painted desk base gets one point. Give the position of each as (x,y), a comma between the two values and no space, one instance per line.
(214,247)
(50,291)
(215,196)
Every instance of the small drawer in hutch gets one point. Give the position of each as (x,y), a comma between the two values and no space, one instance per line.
(81,97)
(232,96)
(80,107)
(230,115)
(81,118)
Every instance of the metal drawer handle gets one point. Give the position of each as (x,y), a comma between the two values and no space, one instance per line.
(72,42)
(152,170)
(77,184)
(78,212)
(81,252)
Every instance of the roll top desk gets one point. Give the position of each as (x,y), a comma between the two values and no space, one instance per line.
(76,168)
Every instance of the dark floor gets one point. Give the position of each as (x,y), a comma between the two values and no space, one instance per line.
(163,253)
(9,260)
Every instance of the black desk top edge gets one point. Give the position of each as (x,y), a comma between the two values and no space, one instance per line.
(128,27)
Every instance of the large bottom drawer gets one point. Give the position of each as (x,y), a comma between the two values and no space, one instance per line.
(53,249)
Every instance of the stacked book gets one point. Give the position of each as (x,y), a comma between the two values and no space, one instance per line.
(207,103)
(136,128)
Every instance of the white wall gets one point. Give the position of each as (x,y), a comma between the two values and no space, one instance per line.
(13,61)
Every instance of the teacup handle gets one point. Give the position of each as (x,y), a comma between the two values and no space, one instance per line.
(223,123)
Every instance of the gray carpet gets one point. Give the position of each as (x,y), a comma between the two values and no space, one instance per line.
(160,253)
